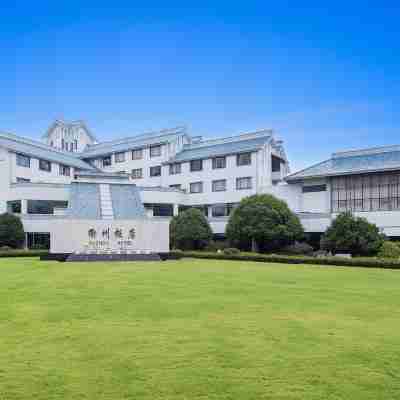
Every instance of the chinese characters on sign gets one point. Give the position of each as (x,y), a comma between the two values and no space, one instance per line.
(106,238)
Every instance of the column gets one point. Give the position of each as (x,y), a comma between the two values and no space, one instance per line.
(176,209)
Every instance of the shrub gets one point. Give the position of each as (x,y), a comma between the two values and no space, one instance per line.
(5,248)
(298,248)
(389,250)
(231,250)
(216,245)
(263,222)
(354,235)
(190,230)
(11,231)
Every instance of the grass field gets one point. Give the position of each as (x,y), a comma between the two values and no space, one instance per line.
(197,329)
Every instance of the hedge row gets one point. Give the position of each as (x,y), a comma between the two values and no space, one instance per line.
(274,258)
(22,253)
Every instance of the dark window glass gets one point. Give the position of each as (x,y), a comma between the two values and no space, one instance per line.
(14,206)
(219,162)
(243,159)
(38,240)
(23,180)
(106,161)
(155,171)
(177,186)
(155,151)
(196,187)
(45,206)
(45,165)
(119,157)
(243,183)
(196,165)
(276,164)
(23,161)
(137,154)
(314,188)
(137,173)
(65,170)
(175,168)
(219,185)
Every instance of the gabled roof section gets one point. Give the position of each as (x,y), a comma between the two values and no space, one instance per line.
(35,149)
(352,162)
(133,142)
(224,146)
(73,124)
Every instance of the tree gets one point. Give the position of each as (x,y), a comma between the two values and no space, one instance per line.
(190,230)
(263,222)
(354,235)
(11,231)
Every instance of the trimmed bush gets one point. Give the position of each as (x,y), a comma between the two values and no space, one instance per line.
(366,262)
(354,235)
(298,249)
(231,250)
(263,223)
(11,231)
(23,253)
(190,230)
(389,250)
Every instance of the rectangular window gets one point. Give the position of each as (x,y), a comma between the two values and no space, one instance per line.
(243,159)
(137,173)
(175,168)
(62,144)
(196,187)
(155,151)
(314,188)
(219,162)
(45,206)
(219,210)
(45,165)
(196,165)
(23,161)
(219,185)
(155,171)
(177,186)
(243,183)
(137,154)
(275,164)
(23,180)
(14,206)
(106,161)
(65,170)
(119,157)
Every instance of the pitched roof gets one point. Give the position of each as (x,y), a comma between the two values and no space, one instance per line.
(35,149)
(133,142)
(72,124)
(222,147)
(352,162)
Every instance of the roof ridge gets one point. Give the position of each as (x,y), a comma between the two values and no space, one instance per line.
(366,151)
(162,132)
(293,175)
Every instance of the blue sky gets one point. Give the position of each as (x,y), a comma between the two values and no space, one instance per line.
(326,78)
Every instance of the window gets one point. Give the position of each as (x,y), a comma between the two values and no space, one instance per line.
(137,154)
(203,209)
(64,170)
(106,161)
(14,206)
(219,162)
(196,187)
(243,159)
(155,151)
(222,210)
(196,165)
(63,144)
(177,186)
(119,157)
(23,180)
(276,164)
(161,210)
(243,183)
(137,173)
(76,145)
(155,171)
(366,192)
(45,165)
(219,185)
(45,206)
(23,161)
(314,188)
(71,147)
(175,168)
(38,240)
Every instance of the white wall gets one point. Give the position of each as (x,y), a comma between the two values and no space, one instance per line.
(4,179)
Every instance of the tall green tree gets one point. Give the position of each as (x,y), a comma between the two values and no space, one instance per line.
(263,223)
(11,231)
(190,230)
(354,235)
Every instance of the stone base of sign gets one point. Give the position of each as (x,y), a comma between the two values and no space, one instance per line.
(113,257)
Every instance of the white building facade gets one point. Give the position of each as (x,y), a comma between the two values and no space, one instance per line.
(173,170)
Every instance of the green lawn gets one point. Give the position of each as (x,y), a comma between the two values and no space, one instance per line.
(197,329)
